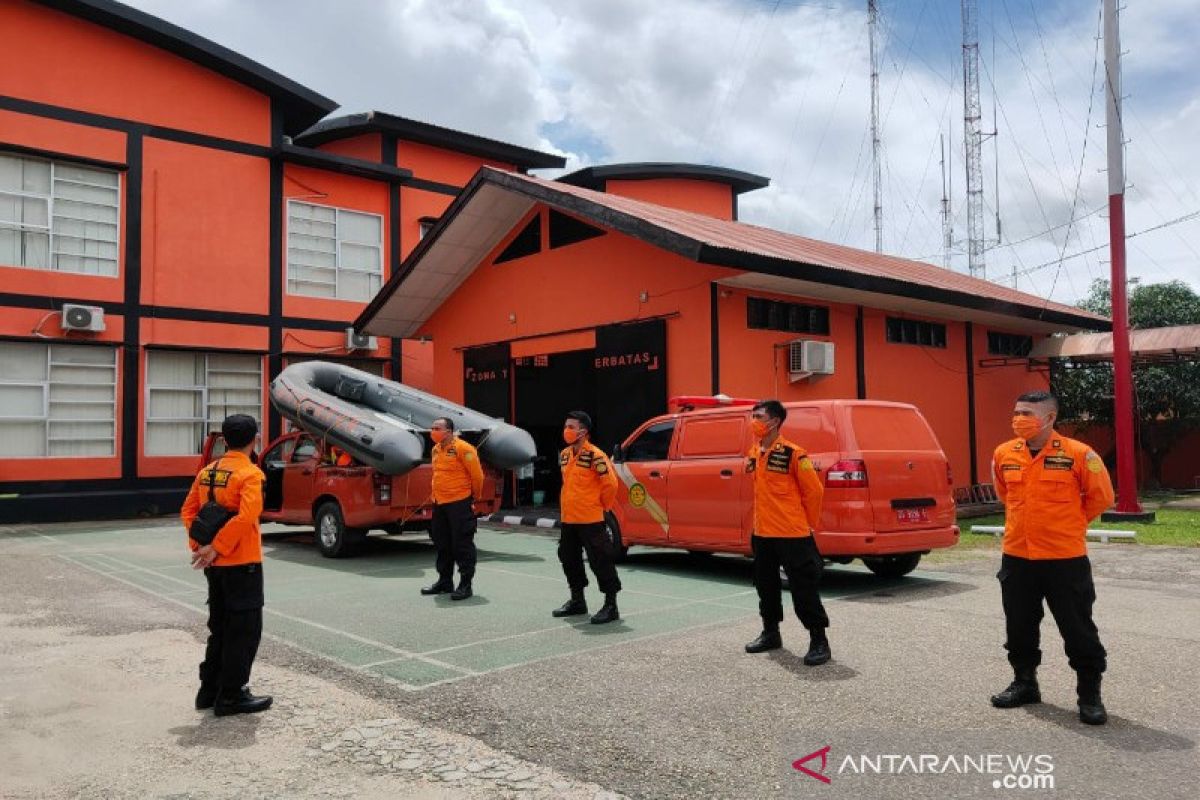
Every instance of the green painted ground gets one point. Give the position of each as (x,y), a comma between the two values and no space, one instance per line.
(367,613)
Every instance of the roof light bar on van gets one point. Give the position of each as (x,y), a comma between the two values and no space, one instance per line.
(847,474)
(690,402)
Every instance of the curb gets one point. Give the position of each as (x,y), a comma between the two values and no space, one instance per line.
(516,519)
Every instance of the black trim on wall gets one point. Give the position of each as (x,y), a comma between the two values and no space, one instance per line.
(974,447)
(133,309)
(714,336)
(433,186)
(389,155)
(55,155)
(128,126)
(860,355)
(275,266)
(734,209)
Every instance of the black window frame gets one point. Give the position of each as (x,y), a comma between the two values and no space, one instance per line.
(1012,345)
(765,314)
(921,333)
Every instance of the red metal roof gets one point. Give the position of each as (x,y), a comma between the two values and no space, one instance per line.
(747,238)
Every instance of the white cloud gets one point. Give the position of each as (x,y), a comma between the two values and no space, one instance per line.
(782,90)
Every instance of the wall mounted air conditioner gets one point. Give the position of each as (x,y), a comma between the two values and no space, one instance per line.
(360,341)
(808,357)
(82,318)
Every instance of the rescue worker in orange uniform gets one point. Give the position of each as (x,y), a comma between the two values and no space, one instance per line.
(589,488)
(787,506)
(1052,487)
(457,483)
(232,566)
(339,457)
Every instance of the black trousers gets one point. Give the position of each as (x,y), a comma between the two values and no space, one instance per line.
(235,603)
(595,539)
(1066,586)
(453,533)
(798,557)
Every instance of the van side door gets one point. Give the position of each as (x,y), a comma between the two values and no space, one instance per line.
(299,474)
(706,482)
(643,471)
(273,463)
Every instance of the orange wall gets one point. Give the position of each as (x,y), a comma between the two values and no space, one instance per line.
(996,391)
(704,197)
(57,58)
(444,166)
(1181,467)
(367,147)
(414,204)
(417,364)
(590,283)
(751,365)
(205,228)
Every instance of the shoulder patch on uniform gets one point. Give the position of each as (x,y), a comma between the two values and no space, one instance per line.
(468,455)
(1093,462)
(601,467)
(563,458)
(806,464)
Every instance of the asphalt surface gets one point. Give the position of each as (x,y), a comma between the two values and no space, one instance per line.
(678,710)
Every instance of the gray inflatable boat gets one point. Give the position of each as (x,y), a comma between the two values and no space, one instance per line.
(383,423)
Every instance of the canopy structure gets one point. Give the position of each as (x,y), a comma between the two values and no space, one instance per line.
(1147,345)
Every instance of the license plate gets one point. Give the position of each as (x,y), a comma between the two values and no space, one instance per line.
(912,515)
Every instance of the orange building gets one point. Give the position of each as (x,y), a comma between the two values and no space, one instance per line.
(615,288)
(175,227)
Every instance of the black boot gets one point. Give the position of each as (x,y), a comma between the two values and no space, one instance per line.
(442,586)
(769,639)
(818,648)
(1091,707)
(573,607)
(1022,691)
(206,696)
(241,702)
(608,612)
(463,591)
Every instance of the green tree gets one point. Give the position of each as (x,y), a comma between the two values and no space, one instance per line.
(1168,393)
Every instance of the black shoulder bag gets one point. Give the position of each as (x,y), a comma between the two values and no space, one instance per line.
(213,516)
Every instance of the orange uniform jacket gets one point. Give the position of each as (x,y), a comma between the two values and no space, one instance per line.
(589,485)
(457,473)
(1049,500)
(787,490)
(239,485)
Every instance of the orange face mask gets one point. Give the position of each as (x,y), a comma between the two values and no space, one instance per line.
(758,428)
(1026,427)
(438,436)
(570,435)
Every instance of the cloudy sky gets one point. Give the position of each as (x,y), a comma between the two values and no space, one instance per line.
(781,88)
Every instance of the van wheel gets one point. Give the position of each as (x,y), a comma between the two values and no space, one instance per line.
(334,539)
(893,566)
(620,551)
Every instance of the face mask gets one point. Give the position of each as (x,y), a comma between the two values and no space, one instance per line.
(759,428)
(570,435)
(1026,427)
(437,436)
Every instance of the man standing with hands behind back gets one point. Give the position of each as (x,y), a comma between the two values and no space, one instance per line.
(1052,487)
(787,506)
(232,565)
(457,484)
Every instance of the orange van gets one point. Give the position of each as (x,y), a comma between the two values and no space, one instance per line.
(887,482)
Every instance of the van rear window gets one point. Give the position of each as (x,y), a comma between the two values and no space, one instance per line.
(884,428)
(709,438)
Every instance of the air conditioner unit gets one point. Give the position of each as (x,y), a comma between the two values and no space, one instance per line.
(360,341)
(808,357)
(82,318)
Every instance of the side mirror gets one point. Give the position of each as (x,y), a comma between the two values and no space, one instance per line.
(618,455)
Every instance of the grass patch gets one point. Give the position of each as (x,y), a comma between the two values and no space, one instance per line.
(1174,527)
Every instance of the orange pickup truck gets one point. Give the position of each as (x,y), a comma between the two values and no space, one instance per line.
(343,503)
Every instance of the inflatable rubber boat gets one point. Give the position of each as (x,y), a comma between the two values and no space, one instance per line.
(383,423)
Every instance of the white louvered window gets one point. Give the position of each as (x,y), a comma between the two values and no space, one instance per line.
(333,252)
(189,394)
(57,400)
(59,216)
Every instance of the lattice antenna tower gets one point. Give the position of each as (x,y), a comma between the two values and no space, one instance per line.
(872,28)
(973,139)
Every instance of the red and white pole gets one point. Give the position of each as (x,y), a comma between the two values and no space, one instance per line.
(1123,405)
